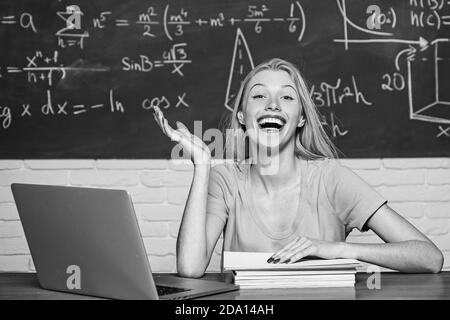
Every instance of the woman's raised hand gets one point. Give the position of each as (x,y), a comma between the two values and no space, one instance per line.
(193,145)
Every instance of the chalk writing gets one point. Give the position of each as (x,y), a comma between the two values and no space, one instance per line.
(75,64)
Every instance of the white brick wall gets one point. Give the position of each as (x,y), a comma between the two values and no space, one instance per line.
(418,188)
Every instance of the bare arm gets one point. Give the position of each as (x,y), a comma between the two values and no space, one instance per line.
(198,232)
(406,248)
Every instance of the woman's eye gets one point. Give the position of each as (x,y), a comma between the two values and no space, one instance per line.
(258,96)
(287,98)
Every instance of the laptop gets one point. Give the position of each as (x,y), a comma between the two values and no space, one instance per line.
(87,241)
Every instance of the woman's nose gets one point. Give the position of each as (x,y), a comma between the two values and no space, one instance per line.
(272,106)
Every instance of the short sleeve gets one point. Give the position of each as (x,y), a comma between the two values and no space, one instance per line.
(352,198)
(218,193)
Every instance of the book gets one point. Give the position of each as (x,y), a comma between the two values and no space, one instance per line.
(252,271)
(268,273)
(234,260)
(298,285)
(327,277)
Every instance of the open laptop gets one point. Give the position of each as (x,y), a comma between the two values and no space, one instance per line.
(87,241)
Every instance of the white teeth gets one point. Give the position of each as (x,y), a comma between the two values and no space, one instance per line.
(271,120)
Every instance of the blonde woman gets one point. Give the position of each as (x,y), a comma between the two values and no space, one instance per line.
(295,199)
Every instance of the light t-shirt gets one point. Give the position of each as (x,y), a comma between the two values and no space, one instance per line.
(333,201)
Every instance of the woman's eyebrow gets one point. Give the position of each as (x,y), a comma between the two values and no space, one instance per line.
(256,84)
(283,86)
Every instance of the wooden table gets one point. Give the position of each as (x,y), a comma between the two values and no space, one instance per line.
(393,286)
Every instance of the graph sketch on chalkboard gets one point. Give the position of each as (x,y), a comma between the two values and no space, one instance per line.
(425,60)
(241,64)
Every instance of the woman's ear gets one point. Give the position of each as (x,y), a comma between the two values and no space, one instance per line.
(240,117)
(301,122)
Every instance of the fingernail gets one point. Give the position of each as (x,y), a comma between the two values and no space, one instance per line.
(269,260)
(276,260)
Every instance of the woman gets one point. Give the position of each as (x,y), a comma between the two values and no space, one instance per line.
(293,199)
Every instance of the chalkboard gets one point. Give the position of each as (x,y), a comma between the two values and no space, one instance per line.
(78,78)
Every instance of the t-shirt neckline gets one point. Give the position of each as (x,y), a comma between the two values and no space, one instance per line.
(276,235)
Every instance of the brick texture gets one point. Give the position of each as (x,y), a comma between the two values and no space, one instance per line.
(417,188)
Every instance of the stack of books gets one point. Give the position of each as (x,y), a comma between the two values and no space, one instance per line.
(251,271)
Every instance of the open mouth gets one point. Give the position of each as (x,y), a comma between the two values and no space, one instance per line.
(271,123)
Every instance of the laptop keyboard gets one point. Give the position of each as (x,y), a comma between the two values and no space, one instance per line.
(163,290)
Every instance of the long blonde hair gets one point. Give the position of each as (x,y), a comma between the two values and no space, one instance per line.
(311,140)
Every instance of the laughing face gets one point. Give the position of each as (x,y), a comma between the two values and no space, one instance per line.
(272,109)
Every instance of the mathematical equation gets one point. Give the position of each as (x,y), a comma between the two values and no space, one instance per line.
(56,109)
(77,28)
(45,67)
(172,22)
(165,45)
